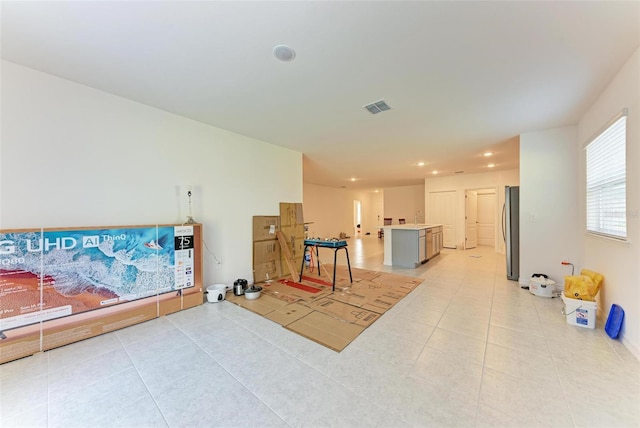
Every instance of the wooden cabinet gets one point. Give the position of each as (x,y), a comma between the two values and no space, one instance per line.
(410,246)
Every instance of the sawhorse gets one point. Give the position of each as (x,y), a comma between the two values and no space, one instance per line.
(335,246)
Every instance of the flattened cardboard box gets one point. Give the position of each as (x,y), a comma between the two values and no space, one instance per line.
(266,261)
(399,282)
(381,304)
(288,314)
(326,330)
(265,227)
(371,296)
(23,339)
(383,284)
(331,319)
(347,313)
(343,271)
(291,294)
(343,283)
(291,214)
(370,288)
(348,296)
(261,306)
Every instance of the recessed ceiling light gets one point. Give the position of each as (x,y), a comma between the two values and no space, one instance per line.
(420,163)
(487,154)
(284,53)
(491,165)
(434,172)
(353,179)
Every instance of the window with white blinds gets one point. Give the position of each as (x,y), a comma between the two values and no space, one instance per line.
(606,182)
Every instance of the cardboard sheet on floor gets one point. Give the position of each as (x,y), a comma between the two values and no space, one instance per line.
(361,274)
(312,310)
(375,296)
(353,298)
(326,330)
(261,306)
(291,294)
(399,282)
(288,314)
(373,279)
(345,312)
(380,304)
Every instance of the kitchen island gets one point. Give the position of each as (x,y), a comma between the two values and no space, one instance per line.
(411,245)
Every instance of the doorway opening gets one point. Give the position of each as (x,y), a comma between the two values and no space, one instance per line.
(357,218)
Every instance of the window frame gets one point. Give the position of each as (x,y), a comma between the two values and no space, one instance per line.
(607,185)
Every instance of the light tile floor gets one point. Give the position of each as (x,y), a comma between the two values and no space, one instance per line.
(466,348)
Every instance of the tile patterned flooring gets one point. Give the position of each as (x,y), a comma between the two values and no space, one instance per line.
(467,348)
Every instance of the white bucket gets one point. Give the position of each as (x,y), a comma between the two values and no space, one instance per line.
(216,293)
(541,286)
(580,312)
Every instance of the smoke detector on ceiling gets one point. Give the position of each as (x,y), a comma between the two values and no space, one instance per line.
(284,53)
(377,107)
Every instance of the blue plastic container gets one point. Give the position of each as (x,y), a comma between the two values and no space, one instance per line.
(614,321)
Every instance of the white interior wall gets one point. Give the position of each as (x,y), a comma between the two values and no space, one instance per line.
(331,210)
(404,202)
(460,183)
(75,156)
(619,263)
(548,203)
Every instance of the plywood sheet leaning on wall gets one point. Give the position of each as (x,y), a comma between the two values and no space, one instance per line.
(292,227)
(286,256)
(59,286)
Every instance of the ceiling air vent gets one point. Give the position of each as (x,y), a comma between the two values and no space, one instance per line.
(377,107)
(458,172)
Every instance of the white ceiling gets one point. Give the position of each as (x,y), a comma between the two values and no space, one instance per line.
(461,77)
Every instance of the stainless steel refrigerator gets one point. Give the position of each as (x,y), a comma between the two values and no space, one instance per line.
(511,230)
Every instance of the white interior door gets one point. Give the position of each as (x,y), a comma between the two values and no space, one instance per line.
(487,218)
(471,219)
(442,210)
